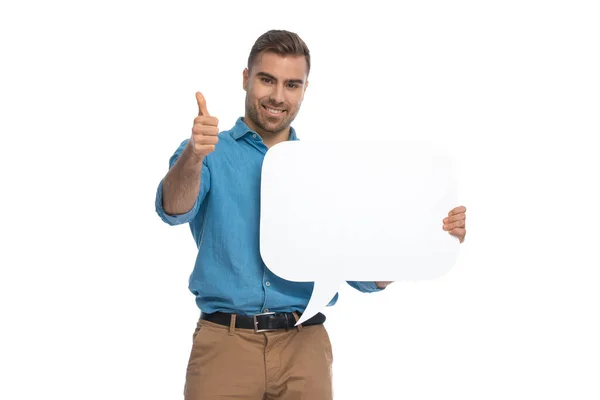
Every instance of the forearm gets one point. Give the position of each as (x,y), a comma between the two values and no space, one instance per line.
(364,286)
(181,185)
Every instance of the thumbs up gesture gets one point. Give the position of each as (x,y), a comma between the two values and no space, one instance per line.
(205,130)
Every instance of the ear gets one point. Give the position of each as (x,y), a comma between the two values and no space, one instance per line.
(245,79)
(304,90)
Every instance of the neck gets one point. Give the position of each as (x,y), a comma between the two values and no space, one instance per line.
(270,139)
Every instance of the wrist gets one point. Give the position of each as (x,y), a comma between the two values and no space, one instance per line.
(191,154)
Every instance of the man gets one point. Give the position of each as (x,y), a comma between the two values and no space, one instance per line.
(245,345)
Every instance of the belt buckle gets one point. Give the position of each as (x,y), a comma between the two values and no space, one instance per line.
(256,330)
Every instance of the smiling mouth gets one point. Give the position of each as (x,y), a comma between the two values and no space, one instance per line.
(273,111)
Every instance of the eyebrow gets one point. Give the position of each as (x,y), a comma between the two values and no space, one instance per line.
(264,74)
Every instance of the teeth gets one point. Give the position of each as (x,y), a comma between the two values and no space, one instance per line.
(272,110)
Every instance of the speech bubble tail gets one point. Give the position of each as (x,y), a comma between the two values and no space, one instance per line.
(323,292)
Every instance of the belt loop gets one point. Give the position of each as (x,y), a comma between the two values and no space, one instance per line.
(296,317)
(232,324)
(287,322)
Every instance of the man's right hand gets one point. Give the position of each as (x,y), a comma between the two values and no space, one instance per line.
(205,131)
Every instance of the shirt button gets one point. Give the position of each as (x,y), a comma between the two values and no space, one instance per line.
(254,136)
(266,310)
(268,283)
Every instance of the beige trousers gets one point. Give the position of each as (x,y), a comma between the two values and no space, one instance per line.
(231,363)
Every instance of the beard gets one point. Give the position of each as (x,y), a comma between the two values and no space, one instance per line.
(264,122)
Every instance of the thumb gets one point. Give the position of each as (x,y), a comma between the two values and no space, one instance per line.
(202,110)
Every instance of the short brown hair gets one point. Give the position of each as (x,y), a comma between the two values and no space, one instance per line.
(279,42)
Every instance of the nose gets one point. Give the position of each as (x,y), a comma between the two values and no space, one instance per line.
(276,96)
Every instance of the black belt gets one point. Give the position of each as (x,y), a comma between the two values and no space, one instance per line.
(262,322)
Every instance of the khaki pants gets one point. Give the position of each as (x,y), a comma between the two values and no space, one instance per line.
(230,363)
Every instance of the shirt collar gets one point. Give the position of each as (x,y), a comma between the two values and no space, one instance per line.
(240,129)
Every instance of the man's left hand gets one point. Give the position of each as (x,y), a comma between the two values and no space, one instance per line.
(454,223)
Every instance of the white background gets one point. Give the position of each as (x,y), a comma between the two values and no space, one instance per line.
(96,96)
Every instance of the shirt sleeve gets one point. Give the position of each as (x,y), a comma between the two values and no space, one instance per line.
(178,219)
(365,287)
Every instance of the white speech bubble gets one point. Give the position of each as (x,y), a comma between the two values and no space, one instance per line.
(335,211)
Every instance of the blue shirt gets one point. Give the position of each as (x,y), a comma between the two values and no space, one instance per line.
(229,274)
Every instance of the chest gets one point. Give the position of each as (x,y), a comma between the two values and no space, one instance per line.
(236,176)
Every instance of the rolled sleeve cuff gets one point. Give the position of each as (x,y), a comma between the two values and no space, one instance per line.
(177,219)
(365,287)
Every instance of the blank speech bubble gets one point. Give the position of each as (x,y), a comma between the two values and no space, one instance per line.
(335,211)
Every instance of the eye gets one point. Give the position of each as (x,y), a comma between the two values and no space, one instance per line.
(292,85)
(266,80)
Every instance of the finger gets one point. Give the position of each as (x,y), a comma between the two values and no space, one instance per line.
(457,217)
(203,130)
(202,110)
(207,121)
(457,210)
(459,233)
(457,224)
(207,140)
